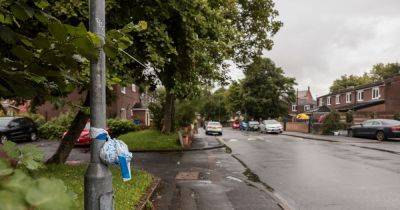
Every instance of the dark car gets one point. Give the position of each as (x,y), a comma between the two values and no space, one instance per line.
(244,126)
(380,129)
(17,129)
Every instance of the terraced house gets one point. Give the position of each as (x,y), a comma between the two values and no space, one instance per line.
(375,100)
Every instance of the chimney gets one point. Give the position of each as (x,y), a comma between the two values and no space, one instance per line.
(308,88)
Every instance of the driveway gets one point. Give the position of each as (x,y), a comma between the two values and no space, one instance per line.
(310,174)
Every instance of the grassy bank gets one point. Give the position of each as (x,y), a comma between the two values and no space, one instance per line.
(127,194)
(150,140)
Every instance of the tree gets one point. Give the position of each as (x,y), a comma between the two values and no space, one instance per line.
(267,92)
(235,97)
(350,81)
(382,71)
(215,106)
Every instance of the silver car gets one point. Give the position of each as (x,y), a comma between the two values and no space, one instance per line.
(271,126)
(213,128)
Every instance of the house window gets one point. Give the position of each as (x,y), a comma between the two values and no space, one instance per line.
(348,97)
(133,88)
(123,90)
(306,107)
(321,102)
(360,95)
(337,99)
(328,101)
(375,93)
(294,108)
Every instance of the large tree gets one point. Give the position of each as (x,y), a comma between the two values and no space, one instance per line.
(382,71)
(267,92)
(347,81)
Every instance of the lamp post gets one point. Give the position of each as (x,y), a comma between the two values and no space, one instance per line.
(98,178)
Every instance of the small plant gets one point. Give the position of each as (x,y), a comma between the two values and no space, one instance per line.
(397,116)
(331,123)
(349,117)
(18,190)
(118,126)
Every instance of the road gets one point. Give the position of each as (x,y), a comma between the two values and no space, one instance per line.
(309,174)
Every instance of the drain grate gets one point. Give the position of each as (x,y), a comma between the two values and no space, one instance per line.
(193,175)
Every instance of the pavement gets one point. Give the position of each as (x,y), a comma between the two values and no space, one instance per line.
(316,174)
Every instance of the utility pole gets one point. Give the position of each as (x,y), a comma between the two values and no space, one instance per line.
(98,178)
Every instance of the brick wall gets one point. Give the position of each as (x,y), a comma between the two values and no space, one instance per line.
(297,127)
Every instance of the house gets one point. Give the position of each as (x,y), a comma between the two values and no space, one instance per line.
(379,99)
(126,103)
(304,103)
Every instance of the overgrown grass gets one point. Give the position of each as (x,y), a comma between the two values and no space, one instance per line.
(151,140)
(127,194)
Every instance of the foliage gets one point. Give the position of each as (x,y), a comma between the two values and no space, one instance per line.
(349,116)
(331,123)
(267,92)
(185,113)
(397,116)
(19,190)
(235,97)
(382,71)
(215,106)
(127,194)
(120,126)
(37,118)
(55,128)
(346,81)
(151,140)
(156,111)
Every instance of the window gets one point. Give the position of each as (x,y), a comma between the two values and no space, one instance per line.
(328,101)
(348,97)
(375,93)
(123,90)
(133,88)
(294,108)
(321,102)
(337,99)
(306,107)
(360,95)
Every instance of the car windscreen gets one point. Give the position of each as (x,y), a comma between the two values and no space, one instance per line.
(4,121)
(270,122)
(390,122)
(254,123)
(214,123)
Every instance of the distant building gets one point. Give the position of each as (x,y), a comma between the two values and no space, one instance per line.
(379,99)
(304,103)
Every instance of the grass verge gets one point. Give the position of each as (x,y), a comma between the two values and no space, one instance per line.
(151,140)
(127,194)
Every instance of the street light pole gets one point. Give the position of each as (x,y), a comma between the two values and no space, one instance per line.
(98,178)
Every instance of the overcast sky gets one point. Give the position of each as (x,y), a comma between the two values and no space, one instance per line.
(323,39)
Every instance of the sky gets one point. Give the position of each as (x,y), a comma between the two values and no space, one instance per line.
(324,39)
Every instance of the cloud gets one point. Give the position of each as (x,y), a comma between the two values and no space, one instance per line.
(321,40)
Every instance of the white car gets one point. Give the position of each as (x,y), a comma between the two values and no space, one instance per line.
(213,128)
(254,125)
(271,126)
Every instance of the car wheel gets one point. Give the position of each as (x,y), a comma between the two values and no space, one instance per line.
(33,137)
(3,139)
(380,136)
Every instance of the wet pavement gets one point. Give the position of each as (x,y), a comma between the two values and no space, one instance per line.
(210,179)
(309,174)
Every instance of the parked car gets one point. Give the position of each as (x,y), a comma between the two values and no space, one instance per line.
(271,126)
(17,129)
(380,129)
(235,125)
(244,126)
(254,125)
(213,128)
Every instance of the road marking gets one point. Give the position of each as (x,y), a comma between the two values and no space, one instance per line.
(234,178)
(232,140)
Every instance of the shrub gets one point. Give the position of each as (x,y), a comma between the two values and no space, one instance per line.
(54,129)
(397,116)
(331,123)
(37,118)
(119,126)
(349,117)
(185,114)
(157,111)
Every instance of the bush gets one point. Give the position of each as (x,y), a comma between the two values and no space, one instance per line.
(185,114)
(397,116)
(54,129)
(119,126)
(37,118)
(332,123)
(157,111)
(349,117)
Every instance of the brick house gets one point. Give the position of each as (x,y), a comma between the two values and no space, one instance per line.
(125,104)
(304,103)
(379,99)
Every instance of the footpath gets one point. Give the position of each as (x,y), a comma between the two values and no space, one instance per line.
(390,146)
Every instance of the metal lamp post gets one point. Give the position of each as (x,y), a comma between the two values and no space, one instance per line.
(98,178)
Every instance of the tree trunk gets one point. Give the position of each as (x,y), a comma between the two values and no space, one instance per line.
(73,133)
(168,112)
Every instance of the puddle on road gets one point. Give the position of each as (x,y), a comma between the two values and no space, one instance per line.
(228,150)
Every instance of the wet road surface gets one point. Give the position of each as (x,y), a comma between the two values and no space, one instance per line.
(309,174)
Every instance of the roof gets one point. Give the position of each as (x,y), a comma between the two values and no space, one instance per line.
(302,94)
(360,105)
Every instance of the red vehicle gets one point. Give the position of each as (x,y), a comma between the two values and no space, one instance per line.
(84,138)
(236,125)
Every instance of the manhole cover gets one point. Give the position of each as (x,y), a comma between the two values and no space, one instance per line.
(187,176)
